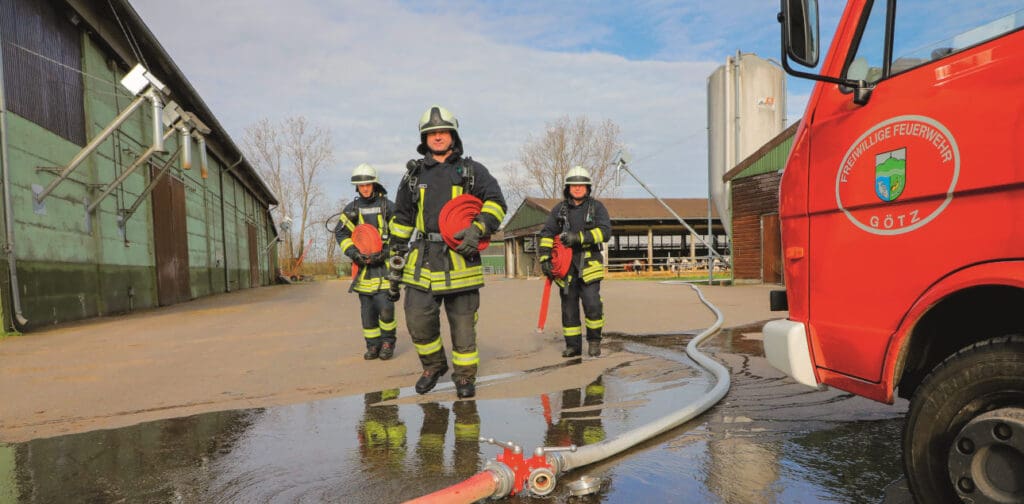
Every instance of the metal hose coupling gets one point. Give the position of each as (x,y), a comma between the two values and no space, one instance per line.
(553,457)
(541,481)
(396,264)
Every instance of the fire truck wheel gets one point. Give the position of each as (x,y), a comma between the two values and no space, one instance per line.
(982,377)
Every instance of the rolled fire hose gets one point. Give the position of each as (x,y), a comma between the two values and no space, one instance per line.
(496,480)
(367,241)
(561,259)
(458,214)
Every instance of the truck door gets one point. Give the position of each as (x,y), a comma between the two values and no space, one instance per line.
(897,184)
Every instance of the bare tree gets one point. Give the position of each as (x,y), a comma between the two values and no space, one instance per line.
(566,143)
(290,157)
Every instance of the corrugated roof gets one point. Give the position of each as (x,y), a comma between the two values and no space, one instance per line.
(641,208)
(765,150)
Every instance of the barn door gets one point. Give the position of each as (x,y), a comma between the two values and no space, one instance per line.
(254,258)
(170,240)
(771,249)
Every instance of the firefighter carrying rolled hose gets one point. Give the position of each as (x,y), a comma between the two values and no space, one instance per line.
(439,272)
(362,235)
(581,223)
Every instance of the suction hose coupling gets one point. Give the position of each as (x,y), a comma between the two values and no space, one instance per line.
(541,481)
(553,456)
(504,478)
(396,264)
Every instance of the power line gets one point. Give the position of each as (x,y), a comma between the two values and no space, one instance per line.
(58,63)
(129,36)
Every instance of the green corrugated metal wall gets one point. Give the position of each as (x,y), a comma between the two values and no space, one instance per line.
(73,266)
(773,161)
(525,217)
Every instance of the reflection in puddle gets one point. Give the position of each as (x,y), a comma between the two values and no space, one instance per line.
(769,440)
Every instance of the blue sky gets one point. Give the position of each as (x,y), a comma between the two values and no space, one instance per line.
(367,70)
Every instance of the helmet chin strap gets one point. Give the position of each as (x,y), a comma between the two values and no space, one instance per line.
(439,153)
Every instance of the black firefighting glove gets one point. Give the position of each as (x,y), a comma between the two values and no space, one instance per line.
(570,239)
(398,248)
(547,268)
(470,240)
(357,258)
(376,258)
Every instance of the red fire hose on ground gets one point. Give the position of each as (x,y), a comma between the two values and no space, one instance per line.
(367,241)
(478,487)
(458,214)
(561,259)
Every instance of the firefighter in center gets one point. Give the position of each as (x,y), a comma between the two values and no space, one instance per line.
(436,274)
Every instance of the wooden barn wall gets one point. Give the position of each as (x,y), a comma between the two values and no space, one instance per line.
(752,197)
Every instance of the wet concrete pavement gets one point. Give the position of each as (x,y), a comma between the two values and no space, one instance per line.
(768,440)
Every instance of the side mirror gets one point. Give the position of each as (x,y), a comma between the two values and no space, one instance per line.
(799,20)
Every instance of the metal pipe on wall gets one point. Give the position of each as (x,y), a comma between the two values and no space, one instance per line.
(223,224)
(92,145)
(204,170)
(124,175)
(158,120)
(152,185)
(8,206)
(186,147)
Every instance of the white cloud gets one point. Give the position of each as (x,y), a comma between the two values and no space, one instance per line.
(367,70)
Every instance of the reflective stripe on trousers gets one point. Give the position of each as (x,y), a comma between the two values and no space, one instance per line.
(423,319)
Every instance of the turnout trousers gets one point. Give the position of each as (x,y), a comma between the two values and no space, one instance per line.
(378,318)
(423,319)
(593,310)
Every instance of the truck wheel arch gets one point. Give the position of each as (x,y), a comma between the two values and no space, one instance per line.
(935,327)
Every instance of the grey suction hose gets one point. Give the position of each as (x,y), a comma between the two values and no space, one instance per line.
(566,460)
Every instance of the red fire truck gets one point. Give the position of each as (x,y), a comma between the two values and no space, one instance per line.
(902,213)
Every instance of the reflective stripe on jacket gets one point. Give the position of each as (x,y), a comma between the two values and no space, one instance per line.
(592,225)
(377,211)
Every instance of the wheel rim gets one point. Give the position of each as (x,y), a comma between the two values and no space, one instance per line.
(986,460)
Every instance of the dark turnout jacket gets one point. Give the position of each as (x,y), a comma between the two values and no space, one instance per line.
(428,185)
(591,223)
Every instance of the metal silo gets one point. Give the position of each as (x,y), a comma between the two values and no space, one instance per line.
(746,109)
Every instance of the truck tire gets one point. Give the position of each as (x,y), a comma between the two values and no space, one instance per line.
(982,377)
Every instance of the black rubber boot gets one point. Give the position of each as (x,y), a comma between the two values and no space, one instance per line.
(429,378)
(573,347)
(387,350)
(372,353)
(465,388)
(593,348)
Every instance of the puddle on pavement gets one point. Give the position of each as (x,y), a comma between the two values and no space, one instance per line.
(769,440)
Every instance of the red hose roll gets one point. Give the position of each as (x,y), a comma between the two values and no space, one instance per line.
(367,240)
(561,259)
(456,215)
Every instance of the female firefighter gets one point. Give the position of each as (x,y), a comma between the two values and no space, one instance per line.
(371,206)
(582,224)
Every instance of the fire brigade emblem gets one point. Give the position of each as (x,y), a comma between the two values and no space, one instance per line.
(890,174)
(871,180)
